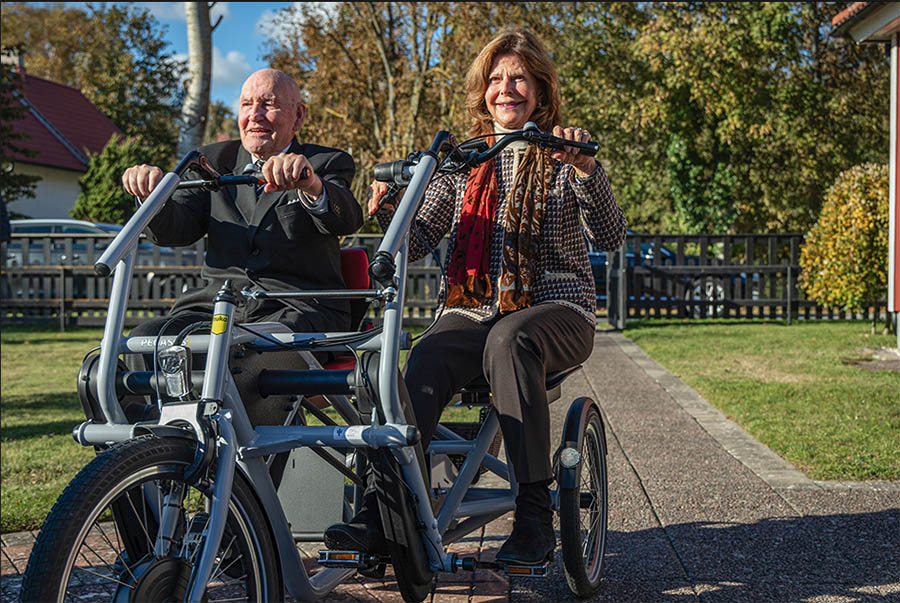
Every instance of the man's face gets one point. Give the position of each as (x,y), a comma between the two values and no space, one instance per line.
(269,115)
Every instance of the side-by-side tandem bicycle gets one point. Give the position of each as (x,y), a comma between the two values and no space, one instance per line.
(204,501)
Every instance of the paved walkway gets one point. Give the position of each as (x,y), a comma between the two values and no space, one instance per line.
(699,511)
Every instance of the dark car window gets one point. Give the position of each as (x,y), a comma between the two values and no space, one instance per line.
(76,229)
(32,228)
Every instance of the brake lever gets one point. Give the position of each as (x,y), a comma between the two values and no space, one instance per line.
(389,196)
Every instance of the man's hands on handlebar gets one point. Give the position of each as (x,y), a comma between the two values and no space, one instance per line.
(281,173)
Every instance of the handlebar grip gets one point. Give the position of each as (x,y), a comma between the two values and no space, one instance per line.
(590,148)
(399,172)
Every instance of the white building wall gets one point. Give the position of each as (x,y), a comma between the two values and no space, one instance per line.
(54,195)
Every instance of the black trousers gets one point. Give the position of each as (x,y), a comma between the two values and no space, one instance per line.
(514,352)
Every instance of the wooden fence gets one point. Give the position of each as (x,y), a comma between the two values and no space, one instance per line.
(664,276)
(724,276)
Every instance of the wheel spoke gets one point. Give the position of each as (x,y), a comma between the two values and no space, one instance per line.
(140,518)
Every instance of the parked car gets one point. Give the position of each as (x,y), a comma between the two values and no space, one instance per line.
(80,230)
(708,293)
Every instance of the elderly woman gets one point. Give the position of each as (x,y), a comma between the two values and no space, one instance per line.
(519,299)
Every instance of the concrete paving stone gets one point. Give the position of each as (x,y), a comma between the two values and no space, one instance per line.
(452,594)
(612,591)
(478,598)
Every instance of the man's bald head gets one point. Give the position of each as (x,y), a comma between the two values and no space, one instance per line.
(270,112)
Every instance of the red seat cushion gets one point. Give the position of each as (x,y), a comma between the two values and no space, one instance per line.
(342,363)
(355,267)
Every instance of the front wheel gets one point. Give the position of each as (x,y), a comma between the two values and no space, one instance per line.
(127,528)
(583,512)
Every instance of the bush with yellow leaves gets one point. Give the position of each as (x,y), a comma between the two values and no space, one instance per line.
(844,258)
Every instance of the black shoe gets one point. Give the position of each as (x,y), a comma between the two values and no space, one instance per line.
(363,533)
(532,540)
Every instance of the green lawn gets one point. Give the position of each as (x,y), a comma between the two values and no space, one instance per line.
(794,388)
(39,407)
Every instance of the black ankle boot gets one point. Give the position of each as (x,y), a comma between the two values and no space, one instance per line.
(532,540)
(362,533)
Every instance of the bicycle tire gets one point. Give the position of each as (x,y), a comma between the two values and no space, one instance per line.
(584,543)
(67,563)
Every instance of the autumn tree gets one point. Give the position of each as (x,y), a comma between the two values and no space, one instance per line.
(758,109)
(13,186)
(115,54)
(221,123)
(711,117)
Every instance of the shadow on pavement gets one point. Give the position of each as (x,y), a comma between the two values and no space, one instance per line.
(842,557)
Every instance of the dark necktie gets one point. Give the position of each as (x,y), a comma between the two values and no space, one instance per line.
(259,188)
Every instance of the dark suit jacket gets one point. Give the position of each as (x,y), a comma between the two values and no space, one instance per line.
(280,246)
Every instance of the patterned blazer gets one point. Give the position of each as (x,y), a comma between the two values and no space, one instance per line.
(563,272)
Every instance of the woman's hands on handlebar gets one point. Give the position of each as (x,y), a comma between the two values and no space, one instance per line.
(583,163)
(377,191)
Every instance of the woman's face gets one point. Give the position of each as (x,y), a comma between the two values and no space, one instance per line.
(512,92)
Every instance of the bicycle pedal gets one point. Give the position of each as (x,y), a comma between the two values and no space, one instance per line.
(345,559)
(534,571)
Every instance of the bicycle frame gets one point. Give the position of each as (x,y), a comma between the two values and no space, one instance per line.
(239,446)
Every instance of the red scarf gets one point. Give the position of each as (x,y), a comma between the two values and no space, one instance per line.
(469,277)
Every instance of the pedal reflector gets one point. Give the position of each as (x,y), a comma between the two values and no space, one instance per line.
(539,571)
(345,559)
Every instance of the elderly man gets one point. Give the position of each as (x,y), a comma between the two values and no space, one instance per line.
(281,237)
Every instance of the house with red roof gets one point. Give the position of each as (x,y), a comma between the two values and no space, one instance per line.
(61,125)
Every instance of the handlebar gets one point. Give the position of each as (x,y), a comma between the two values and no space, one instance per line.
(475,152)
(127,238)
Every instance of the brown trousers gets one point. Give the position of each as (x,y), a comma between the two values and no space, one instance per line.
(514,352)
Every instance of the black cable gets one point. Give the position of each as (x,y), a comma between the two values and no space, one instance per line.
(345,340)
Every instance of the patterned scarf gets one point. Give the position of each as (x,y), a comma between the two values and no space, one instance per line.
(469,282)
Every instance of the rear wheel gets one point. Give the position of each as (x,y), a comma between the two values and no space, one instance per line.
(583,512)
(104,540)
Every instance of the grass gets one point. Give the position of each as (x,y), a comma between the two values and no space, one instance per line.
(795,388)
(39,407)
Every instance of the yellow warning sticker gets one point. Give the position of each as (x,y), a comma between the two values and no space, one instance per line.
(219,323)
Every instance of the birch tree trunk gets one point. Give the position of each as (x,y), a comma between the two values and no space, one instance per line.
(196,102)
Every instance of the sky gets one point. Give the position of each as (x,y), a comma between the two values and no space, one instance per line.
(237,41)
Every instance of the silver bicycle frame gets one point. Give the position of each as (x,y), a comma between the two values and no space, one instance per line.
(242,447)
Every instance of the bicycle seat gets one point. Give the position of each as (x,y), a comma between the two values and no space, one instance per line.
(477,391)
